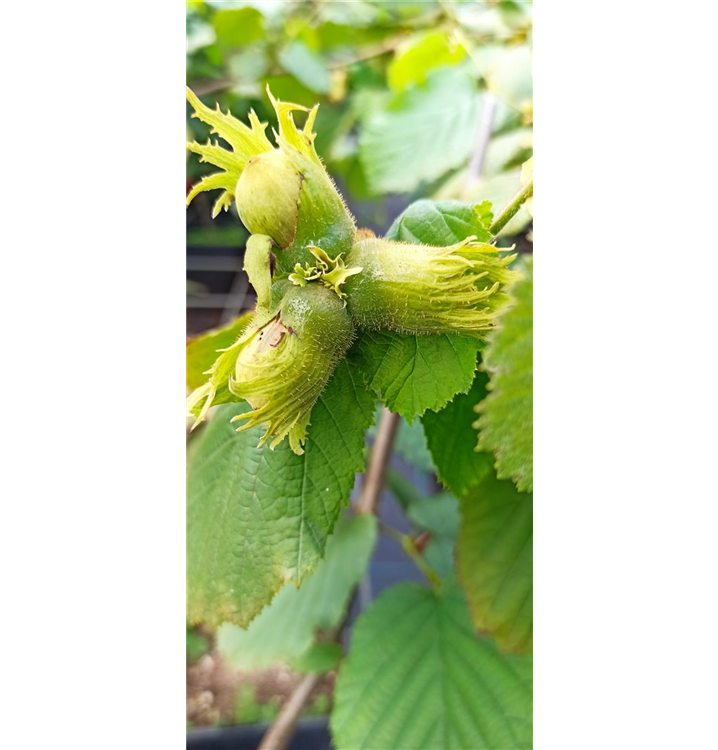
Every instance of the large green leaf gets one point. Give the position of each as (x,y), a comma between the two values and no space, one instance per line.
(423,134)
(257,518)
(495,561)
(414,373)
(417,677)
(451,437)
(202,350)
(285,630)
(506,415)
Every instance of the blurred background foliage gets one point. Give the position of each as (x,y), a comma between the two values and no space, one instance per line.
(427,99)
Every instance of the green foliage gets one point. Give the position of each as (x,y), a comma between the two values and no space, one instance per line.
(202,350)
(414,373)
(451,438)
(285,630)
(258,518)
(429,51)
(237,27)
(508,74)
(197,644)
(319,657)
(442,223)
(506,415)
(410,444)
(437,514)
(307,67)
(389,76)
(418,677)
(423,134)
(247,710)
(495,561)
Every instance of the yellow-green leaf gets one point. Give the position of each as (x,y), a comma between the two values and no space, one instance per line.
(203,350)
(411,64)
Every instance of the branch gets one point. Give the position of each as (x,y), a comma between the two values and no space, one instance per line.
(413,551)
(378,461)
(282,729)
(511,210)
(476,164)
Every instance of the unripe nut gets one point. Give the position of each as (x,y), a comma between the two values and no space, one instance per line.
(267,196)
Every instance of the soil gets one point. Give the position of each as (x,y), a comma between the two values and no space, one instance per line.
(212,686)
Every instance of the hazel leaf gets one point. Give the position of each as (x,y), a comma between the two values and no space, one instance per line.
(258,518)
(505,420)
(417,677)
(495,561)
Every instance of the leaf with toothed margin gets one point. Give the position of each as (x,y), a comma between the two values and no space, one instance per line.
(203,350)
(411,374)
(417,677)
(495,561)
(442,223)
(285,630)
(414,373)
(451,438)
(505,420)
(422,134)
(258,518)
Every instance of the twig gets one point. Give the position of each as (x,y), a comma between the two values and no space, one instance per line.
(476,165)
(512,208)
(411,549)
(282,729)
(378,461)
